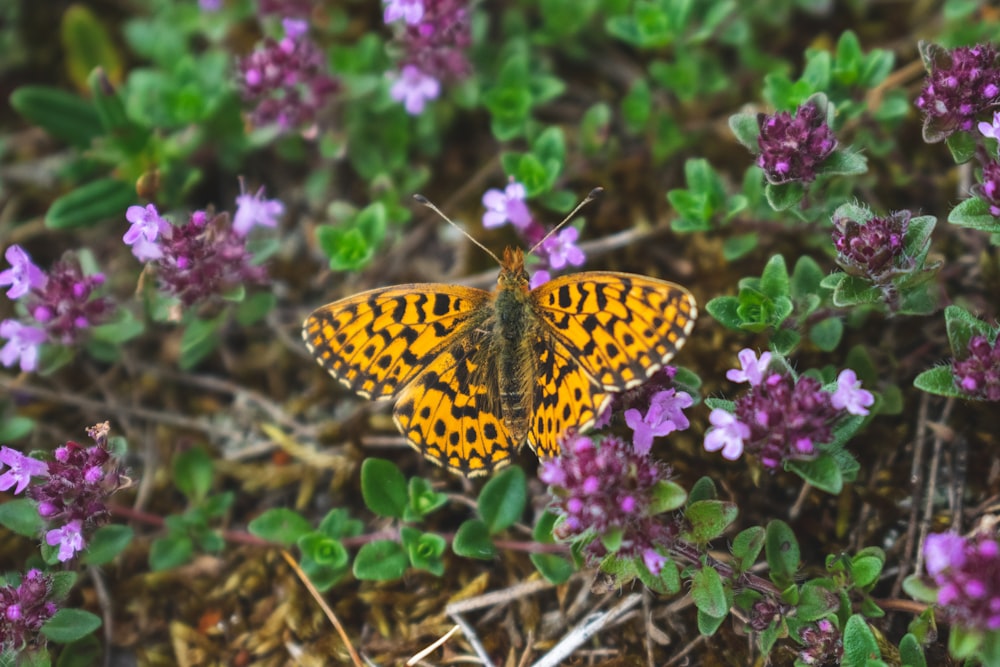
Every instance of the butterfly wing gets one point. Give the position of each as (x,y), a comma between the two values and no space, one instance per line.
(619,328)
(452,410)
(377,342)
(564,397)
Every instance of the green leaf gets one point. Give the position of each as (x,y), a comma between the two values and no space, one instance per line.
(666,497)
(382,560)
(65,116)
(735,247)
(422,499)
(503,498)
(782,551)
(325,551)
(860,644)
(667,582)
(725,311)
(962,146)
(854,291)
(816,601)
(555,569)
(280,525)
(473,540)
(200,338)
(424,550)
(962,326)
(911,654)
(637,106)
(747,546)
(774,280)
(255,308)
(169,552)
(939,381)
(338,524)
(703,489)
(193,471)
(85,652)
(21,516)
(826,334)
(87,205)
(974,213)
(62,584)
(106,543)
(822,472)
(383,488)
(708,519)
(746,128)
(844,163)
(865,569)
(70,625)
(709,593)
(785,196)
(15,427)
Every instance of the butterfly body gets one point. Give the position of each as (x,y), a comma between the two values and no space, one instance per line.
(477,374)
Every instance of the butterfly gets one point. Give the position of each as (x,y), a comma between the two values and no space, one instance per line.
(476,374)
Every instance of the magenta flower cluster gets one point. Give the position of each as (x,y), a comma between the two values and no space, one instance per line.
(556,252)
(433,40)
(873,249)
(961,85)
(63,305)
(988,189)
(23,610)
(978,375)
(782,418)
(71,490)
(822,644)
(966,571)
(287,81)
(205,257)
(607,489)
(793,147)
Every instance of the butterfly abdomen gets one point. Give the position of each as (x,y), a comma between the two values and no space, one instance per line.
(510,343)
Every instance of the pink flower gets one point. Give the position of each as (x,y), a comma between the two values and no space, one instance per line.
(22,469)
(752,370)
(663,417)
(410,11)
(22,345)
(562,249)
(22,276)
(539,277)
(506,205)
(147,226)
(849,394)
(414,88)
(727,434)
(69,538)
(252,210)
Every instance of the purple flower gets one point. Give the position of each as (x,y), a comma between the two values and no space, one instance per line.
(68,306)
(961,84)
(727,433)
(849,394)
(22,469)
(203,259)
(989,189)
(437,43)
(539,277)
(991,130)
(654,561)
(792,148)
(24,609)
(68,537)
(23,275)
(663,417)
(606,489)
(822,644)
(506,205)
(562,249)
(253,210)
(147,227)
(978,375)
(288,81)
(410,11)
(873,249)
(22,345)
(414,88)
(966,571)
(751,368)
(210,5)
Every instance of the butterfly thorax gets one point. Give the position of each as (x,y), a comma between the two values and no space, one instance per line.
(513,321)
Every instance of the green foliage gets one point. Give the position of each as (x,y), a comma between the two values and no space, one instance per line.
(704,200)
(383,488)
(962,326)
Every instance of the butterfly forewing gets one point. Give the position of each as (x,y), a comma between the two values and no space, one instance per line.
(620,328)
(377,342)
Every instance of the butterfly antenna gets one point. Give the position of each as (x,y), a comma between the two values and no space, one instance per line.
(594,194)
(427,202)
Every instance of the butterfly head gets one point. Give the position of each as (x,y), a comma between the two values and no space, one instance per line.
(512,271)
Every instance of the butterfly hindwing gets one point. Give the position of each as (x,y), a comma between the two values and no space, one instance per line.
(378,341)
(451,412)
(620,328)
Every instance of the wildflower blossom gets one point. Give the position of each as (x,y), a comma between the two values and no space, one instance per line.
(727,434)
(24,609)
(253,210)
(991,130)
(414,89)
(664,416)
(68,305)
(961,84)
(147,227)
(209,5)
(822,644)
(23,275)
(410,11)
(561,249)
(608,488)
(505,205)
(966,572)
(989,189)
(978,375)
(872,249)
(849,394)
(23,343)
(69,539)
(539,277)
(286,81)
(751,368)
(21,469)
(792,148)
